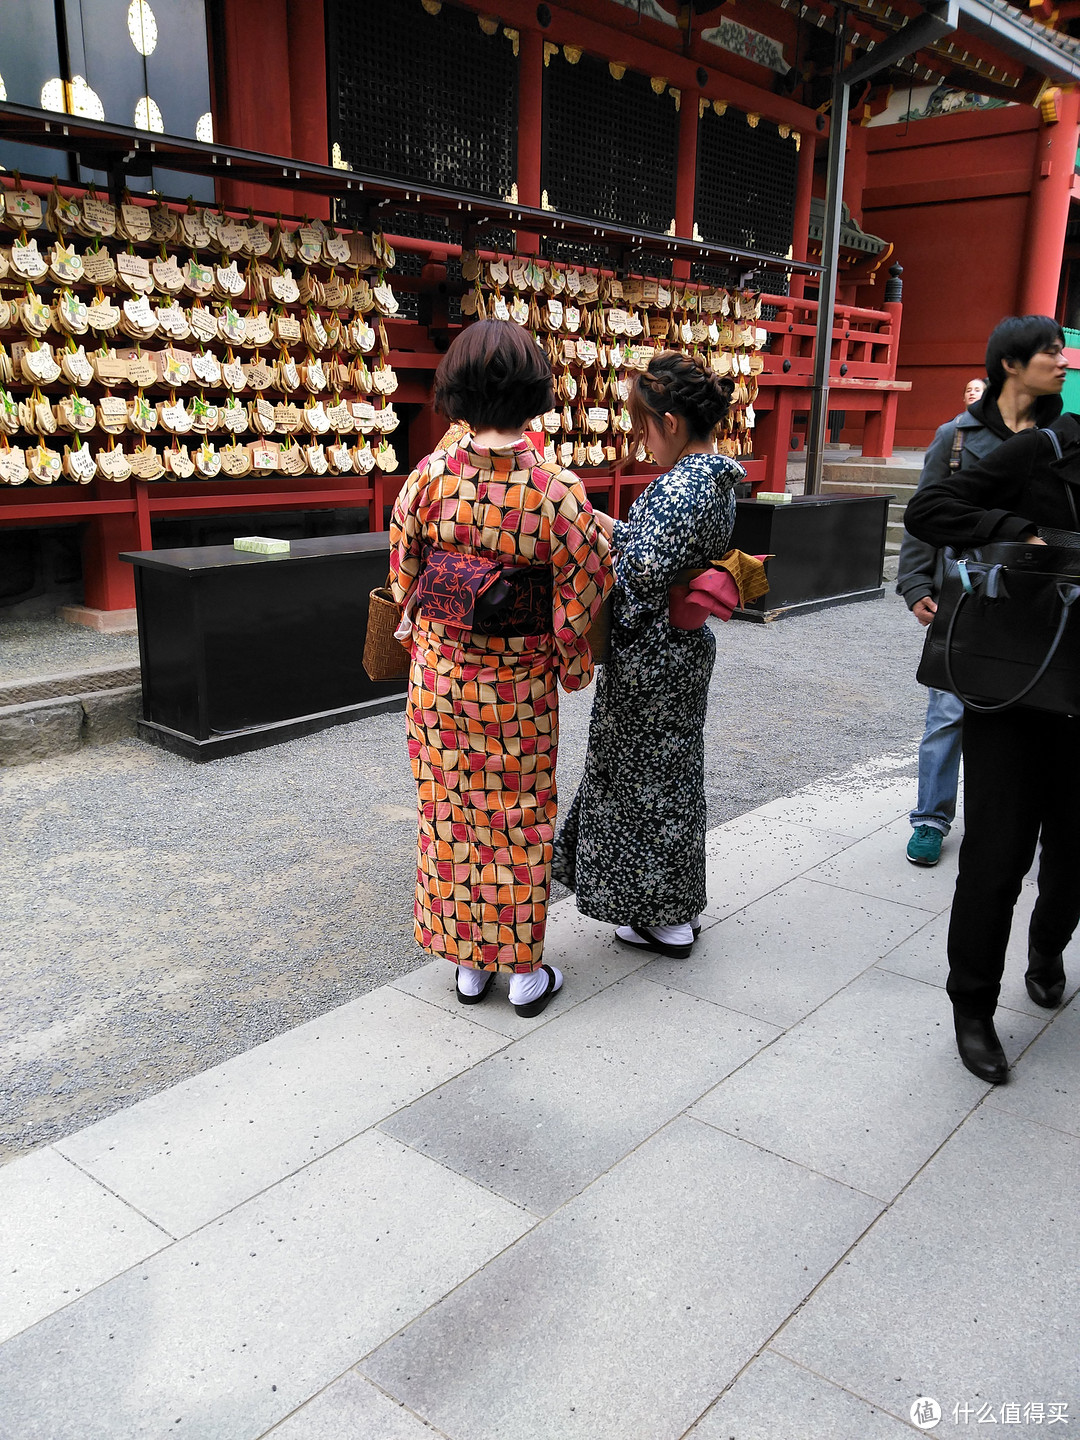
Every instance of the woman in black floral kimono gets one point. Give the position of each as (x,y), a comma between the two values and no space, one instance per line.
(633,843)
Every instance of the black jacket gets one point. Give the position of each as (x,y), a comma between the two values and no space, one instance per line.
(919,572)
(1021,486)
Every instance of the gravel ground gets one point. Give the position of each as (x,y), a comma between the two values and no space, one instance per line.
(44,645)
(162,916)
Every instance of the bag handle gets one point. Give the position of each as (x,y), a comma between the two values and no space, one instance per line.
(1067,594)
(1055,441)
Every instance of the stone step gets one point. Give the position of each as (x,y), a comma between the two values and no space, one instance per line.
(54,715)
(903,489)
(878,477)
(72,682)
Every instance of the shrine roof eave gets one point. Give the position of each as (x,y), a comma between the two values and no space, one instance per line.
(123,150)
(1049,53)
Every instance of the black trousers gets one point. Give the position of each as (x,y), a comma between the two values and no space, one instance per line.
(1021,785)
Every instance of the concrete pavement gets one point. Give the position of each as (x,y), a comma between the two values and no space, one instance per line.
(750,1195)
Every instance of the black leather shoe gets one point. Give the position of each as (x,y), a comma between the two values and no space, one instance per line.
(980,1049)
(1045,978)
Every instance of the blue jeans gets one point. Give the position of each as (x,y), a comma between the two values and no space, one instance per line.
(939,762)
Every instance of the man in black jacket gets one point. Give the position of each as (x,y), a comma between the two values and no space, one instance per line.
(1021,766)
(1015,398)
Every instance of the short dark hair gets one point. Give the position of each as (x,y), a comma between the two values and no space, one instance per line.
(494,377)
(679,384)
(1018,338)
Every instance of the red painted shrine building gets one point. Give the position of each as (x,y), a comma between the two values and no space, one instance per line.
(704,122)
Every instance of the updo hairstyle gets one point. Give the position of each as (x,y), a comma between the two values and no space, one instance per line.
(683,385)
(494,377)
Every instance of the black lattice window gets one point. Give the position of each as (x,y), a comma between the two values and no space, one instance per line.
(745,183)
(429,98)
(609,146)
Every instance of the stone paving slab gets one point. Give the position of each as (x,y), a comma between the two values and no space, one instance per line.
(63,1235)
(784,954)
(924,957)
(231,1329)
(352,1409)
(586,951)
(877,866)
(965,1290)
(1046,1086)
(863,1090)
(868,797)
(194,1151)
(632,1307)
(774,1400)
(541,1119)
(748,857)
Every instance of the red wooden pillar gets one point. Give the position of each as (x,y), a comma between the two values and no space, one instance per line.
(771,437)
(108,583)
(800,225)
(530,127)
(686,174)
(256,107)
(307,92)
(880,426)
(1048,209)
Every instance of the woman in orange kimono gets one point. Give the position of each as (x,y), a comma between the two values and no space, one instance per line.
(498,559)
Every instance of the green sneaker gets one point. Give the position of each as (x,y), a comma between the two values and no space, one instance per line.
(924,847)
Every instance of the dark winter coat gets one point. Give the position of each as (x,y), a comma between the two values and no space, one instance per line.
(919,571)
(1008,496)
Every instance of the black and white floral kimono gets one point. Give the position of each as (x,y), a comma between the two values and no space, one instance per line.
(633,842)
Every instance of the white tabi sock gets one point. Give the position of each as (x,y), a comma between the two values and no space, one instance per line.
(533,984)
(666,934)
(470,981)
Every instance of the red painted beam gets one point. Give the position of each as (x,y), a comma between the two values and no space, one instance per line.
(167,504)
(933,191)
(630,44)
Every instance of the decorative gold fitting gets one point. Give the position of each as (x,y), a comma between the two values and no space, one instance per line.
(752,120)
(617,71)
(514,37)
(432,6)
(719,106)
(489,24)
(549,51)
(572,54)
(659,84)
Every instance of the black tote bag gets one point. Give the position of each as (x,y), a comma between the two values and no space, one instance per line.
(1007,629)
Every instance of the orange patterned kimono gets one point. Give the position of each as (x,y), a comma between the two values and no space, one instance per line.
(483,711)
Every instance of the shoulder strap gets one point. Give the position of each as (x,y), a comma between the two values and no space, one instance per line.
(957,450)
(1052,436)
(1055,441)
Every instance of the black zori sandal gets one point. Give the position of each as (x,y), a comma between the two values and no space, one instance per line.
(480,994)
(540,1004)
(653,943)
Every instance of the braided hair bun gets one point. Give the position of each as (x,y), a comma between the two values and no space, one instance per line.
(678,384)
